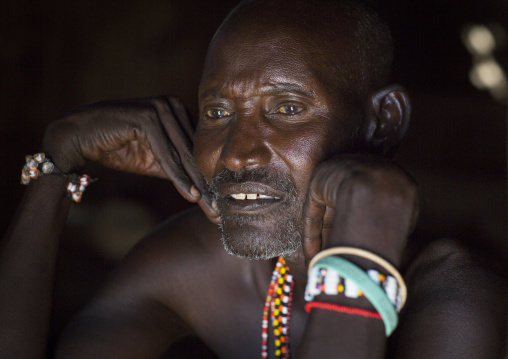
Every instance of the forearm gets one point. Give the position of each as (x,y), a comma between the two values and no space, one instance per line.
(27,266)
(330,334)
(344,326)
(374,220)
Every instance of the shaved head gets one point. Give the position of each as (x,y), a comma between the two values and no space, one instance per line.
(287,84)
(348,40)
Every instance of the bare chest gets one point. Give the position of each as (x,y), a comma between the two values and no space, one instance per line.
(228,317)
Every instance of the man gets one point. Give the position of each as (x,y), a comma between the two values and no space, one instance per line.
(294,111)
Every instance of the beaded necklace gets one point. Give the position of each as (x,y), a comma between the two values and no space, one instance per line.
(278,307)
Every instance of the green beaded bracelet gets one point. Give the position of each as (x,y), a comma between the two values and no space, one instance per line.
(370,289)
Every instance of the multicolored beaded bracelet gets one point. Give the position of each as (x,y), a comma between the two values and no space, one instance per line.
(342,309)
(402,289)
(371,290)
(31,170)
(328,281)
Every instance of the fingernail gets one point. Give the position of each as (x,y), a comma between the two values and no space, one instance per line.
(194,192)
(214,205)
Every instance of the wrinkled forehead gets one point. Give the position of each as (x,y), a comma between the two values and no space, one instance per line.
(269,50)
(258,57)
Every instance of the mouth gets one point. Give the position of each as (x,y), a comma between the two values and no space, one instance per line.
(251,196)
(248,198)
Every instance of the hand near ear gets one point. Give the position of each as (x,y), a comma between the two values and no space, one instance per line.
(362,201)
(388,114)
(151,136)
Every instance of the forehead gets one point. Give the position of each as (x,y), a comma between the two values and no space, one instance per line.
(250,58)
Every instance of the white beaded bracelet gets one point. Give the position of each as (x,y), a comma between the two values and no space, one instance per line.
(329,281)
(370,256)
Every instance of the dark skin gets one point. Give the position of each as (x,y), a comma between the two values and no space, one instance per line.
(179,281)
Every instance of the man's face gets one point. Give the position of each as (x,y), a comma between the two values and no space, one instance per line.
(266,121)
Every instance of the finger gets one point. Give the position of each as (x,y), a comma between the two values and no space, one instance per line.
(313,219)
(181,113)
(176,124)
(210,210)
(175,121)
(328,220)
(168,159)
(184,144)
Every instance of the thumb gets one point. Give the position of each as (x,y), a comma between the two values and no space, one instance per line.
(313,218)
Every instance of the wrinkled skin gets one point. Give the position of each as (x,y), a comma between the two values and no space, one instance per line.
(150,136)
(269,106)
(351,196)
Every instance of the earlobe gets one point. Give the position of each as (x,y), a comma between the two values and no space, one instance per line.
(388,119)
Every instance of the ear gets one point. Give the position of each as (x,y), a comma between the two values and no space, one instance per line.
(388,115)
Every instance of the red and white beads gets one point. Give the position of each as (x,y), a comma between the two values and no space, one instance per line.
(278,307)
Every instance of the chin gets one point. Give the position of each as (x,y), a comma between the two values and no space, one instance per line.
(250,237)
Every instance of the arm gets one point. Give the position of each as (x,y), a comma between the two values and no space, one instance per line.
(151,136)
(131,317)
(456,307)
(27,264)
(364,202)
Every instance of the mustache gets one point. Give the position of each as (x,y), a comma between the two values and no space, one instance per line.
(279,181)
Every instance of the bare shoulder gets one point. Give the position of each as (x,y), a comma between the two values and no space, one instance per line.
(144,307)
(456,305)
(188,232)
(450,263)
(171,254)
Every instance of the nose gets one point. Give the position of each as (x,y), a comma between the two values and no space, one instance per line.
(246,144)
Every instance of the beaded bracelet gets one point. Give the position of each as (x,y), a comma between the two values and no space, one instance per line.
(342,309)
(373,258)
(77,183)
(330,282)
(370,289)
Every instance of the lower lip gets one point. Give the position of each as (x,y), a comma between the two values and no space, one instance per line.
(250,206)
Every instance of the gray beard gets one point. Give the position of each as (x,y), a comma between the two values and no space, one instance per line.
(281,231)
(279,238)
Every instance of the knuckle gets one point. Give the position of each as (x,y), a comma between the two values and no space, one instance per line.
(388,181)
(173,99)
(158,101)
(308,238)
(61,130)
(310,220)
(187,156)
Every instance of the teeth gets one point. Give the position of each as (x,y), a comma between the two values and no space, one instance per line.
(264,196)
(251,196)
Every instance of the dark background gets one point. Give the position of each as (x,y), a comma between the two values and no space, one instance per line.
(59,54)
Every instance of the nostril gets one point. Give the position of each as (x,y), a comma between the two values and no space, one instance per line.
(246,145)
(245,154)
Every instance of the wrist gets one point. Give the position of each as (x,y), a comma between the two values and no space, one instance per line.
(61,144)
(330,273)
(66,163)
(331,334)
(39,165)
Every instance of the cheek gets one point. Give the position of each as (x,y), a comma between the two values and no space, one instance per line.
(305,150)
(302,153)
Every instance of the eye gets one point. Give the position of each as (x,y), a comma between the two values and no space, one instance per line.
(217,113)
(289,109)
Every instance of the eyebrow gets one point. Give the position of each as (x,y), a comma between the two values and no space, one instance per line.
(271,89)
(285,87)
